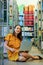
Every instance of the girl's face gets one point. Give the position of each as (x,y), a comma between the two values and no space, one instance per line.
(17,29)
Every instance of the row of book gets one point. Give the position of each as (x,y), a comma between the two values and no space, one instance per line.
(27,28)
(27,34)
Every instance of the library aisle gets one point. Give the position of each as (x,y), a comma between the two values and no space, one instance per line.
(34,51)
(29,15)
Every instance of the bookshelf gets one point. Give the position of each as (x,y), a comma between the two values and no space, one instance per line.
(40,25)
(26,20)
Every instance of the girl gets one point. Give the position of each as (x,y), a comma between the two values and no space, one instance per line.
(13,43)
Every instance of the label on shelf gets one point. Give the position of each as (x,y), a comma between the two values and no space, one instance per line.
(42,5)
(21,23)
(39,6)
(39,16)
(40,0)
(39,33)
(39,23)
(42,35)
(10,22)
(11,2)
(20,8)
(42,24)
(41,44)
(21,17)
(10,10)
(4,50)
(0,31)
(10,30)
(27,29)
(27,34)
(4,31)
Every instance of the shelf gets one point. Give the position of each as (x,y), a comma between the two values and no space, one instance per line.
(10,15)
(20,20)
(26,20)
(29,36)
(26,14)
(38,29)
(1,19)
(29,26)
(1,37)
(5,9)
(29,14)
(27,31)
(21,15)
(26,26)
(29,19)
(3,25)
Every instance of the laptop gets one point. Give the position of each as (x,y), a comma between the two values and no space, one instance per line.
(26,44)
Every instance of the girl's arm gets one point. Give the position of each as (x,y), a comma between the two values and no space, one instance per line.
(7,47)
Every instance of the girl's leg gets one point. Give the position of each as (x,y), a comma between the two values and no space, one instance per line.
(21,59)
(27,55)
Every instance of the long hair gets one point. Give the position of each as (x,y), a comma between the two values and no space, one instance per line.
(19,36)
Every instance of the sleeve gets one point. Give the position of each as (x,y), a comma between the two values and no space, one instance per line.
(7,37)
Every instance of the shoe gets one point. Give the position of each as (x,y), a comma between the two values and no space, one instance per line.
(37,57)
(40,57)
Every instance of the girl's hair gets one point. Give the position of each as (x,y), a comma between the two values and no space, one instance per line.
(20,34)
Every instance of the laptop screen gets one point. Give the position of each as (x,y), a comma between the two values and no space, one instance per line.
(26,44)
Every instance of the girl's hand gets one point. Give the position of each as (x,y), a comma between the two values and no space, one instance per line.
(12,49)
(17,51)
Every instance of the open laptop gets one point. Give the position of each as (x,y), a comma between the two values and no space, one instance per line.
(26,44)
